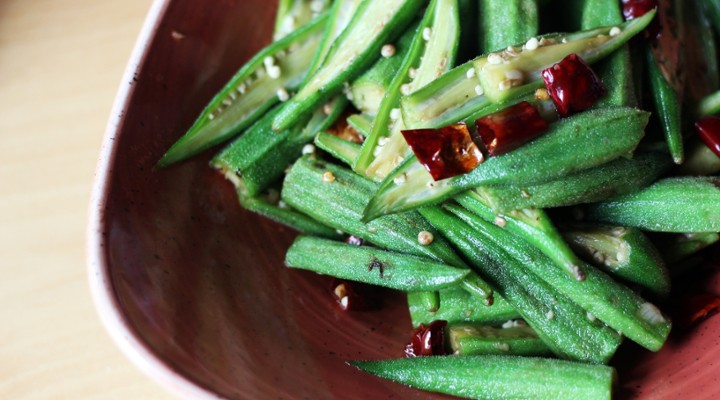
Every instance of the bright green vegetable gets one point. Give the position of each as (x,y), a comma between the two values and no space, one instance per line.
(690,204)
(344,150)
(503,23)
(668,106)
(371,265)
(498,377)
(458,305)
(476,339)
(292,14)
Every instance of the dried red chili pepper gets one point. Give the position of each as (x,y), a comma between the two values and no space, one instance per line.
(427,341)
(445,152)
(708,129)
(696,308)
(637,8)
(573,85)
(510,128)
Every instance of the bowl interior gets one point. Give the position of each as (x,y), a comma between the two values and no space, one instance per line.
(201,283)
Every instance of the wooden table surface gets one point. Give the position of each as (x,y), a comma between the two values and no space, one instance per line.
(61,62)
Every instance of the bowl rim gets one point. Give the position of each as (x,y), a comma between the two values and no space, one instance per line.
(101,286)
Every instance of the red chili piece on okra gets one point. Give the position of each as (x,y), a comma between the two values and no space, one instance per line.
(510,128)
(573,85)
(637,8)
(708,129)
(445,152)
(427,340)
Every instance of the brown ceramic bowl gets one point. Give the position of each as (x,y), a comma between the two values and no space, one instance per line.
(193,289)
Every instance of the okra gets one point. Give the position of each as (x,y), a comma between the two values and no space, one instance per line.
(498,377)
(336,197)
(709,105)
(260,156)
(361,123)
(374,24)
(292,14)
(371,265)
(343,150)
(668,106)
(615,71)
(566,328)
(431,54)
(459,305)
(687,204)
(253,90)
(622,252)
(503,23)
(572,144)
(476,339)
(267,205)
(613,303)
(615,178)
(532,225)
(368,90)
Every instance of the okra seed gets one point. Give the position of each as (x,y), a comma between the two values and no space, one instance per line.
(511,51)
(412,73)
(400,179)
(308,149)
(590,317)
(514,75)
(479,90)
(425,238)
(241,89)
(317,6)
(405,89)
(233,95)
(211,116)
(344,301)
(268,61)
(327,109)
(282,204)
(283,94)
(650,313)
(387,50)
(260,73)
(395,114)
(227,102)
(532,44)
(328,177)
(505,84)
(494,58)
(470,73)
(399,159)
(615,31)
(500,221)
(550,314)
(377,151)
(383,141)
(274,72)
(427,33)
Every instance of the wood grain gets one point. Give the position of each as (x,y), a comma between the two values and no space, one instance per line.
(60,65)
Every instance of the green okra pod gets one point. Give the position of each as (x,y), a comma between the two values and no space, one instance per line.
(571,145)
(622,252)
(503,23)
(475,339)
(615,178)
(687,204)
(253,90)
(374,24)
(371,265)
(292,14)
(668,106)
(458,305)
(611,302)
(336,197)
(431,54)
(498,377)
(565,327)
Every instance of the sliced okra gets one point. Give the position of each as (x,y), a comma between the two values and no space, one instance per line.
(533,225)
(292,14)
(610,302)
(498,377)
(582,141)
(502,23)
(343,150)
(622,252)
(615,178)
(262,82)
(267,205)
(367,91)
(687,204)
(565,327)
(361,123)
(260,156)
(336,196)
(374,24)
(477,339)
(458,305)
(371,265)
(431,54)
